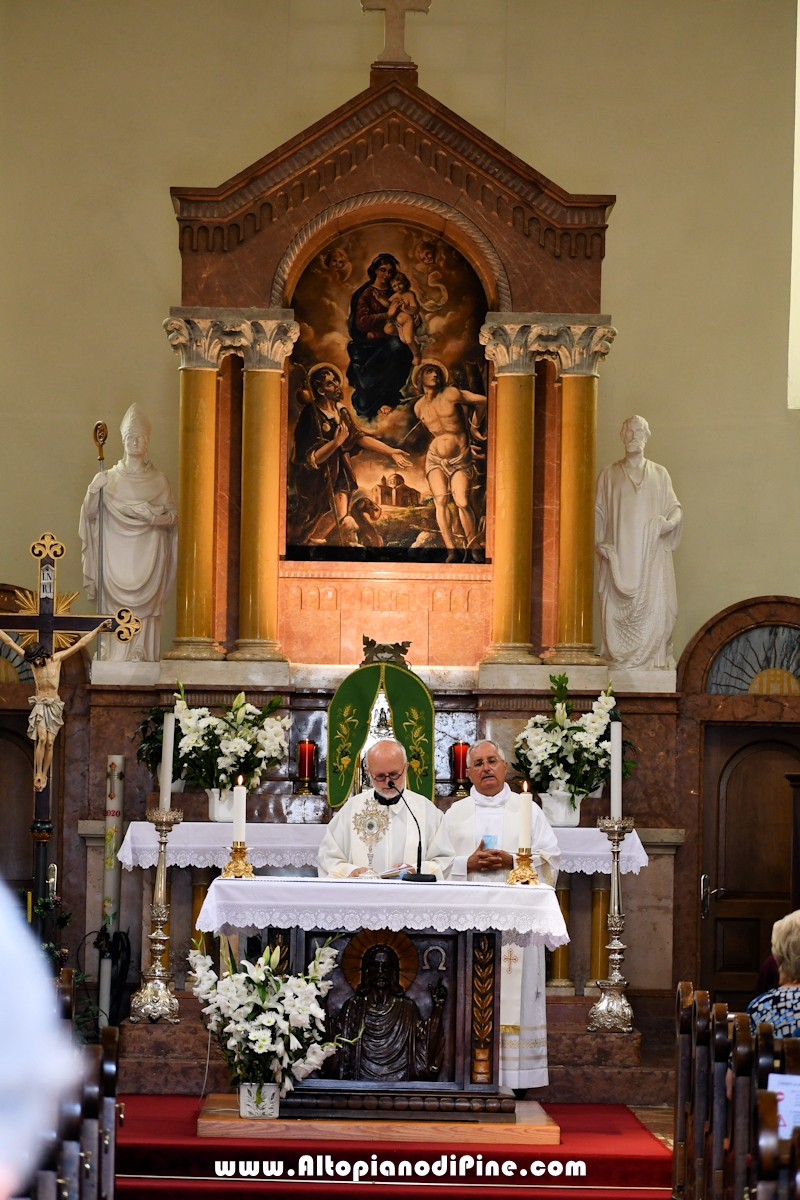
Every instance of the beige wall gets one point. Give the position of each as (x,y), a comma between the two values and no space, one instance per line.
(683,109)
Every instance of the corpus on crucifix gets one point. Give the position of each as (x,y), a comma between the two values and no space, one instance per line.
(394,49)
(45,621)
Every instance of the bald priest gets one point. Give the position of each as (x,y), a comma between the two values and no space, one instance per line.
(484,831)
(342,854)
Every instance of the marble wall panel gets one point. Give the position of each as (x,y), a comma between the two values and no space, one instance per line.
(647,904)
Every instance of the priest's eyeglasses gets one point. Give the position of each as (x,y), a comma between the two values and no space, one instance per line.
(388,776)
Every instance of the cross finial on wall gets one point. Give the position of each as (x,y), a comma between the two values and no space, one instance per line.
(394,50)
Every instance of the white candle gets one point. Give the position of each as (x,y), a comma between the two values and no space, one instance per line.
(239,812)
(167,747)
(525,817)
(616,770)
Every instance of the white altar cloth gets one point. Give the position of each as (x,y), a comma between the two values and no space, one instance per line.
(584,851)
(207,844)
(526,916)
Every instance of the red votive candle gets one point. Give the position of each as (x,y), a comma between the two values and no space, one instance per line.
(460,751)
(305,759)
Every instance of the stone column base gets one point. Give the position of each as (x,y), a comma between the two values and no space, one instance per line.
(195,647)
(257,650)
(573,654)
(511,652)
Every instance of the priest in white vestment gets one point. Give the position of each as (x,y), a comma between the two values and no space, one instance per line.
(484,831)
(140,520)
(342,853)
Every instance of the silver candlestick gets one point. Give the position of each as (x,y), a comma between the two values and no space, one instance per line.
(154,999)
(612,1013)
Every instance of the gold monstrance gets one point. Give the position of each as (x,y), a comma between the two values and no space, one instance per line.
(371,824)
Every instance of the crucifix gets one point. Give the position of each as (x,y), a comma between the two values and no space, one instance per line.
(49,636)
(394,36)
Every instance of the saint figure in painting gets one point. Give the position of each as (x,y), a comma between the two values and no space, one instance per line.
(396,1043)
(448,464)
(380,358)
(325,439)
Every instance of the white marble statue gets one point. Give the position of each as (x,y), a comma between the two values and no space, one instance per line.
(139,540)
(637,526)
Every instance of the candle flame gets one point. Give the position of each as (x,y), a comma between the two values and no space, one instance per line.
(524,785)
(240,780)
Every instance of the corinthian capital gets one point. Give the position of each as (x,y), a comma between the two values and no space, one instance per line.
(199,341)
(575,342)
(202,336)
(265,343)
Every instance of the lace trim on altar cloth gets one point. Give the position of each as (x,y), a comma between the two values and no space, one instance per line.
(588,864)
(217,856)
(247,919)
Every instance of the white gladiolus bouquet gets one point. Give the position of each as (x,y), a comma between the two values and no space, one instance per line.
(270,1027)
(557,753)
(245,740)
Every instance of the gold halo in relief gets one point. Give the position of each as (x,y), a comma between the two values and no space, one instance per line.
(358,945)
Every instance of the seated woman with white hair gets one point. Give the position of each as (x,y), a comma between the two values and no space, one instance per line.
(780,1007)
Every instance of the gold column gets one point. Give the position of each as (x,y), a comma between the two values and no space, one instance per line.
(598,954)
(560,980)
(505,340)
(265,344)
(579,344)
(201,880)
(199,342)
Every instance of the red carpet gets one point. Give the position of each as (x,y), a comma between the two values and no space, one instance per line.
(159,1155)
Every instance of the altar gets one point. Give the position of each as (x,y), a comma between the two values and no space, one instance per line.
(446,942)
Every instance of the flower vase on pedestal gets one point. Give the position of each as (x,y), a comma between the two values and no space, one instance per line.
(260,1100)
(559,810)
(220,805)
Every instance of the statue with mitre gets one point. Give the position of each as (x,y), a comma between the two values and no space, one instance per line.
(139,519)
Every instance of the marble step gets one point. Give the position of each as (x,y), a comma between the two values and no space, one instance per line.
(607,1085)
(573,1045)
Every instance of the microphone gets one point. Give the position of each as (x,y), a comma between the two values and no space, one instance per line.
(419,876)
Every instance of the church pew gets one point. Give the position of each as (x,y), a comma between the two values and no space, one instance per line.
(699,1096)
(109,1040)
(737,1150)
(91,1108)
(683,1083)
(69,1150)
(717,1121)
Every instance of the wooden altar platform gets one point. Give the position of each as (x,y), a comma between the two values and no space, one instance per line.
(219,1117)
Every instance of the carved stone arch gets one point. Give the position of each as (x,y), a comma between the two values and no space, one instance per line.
(440,218)
(698,657)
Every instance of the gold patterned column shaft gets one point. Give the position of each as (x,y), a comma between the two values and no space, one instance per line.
(504,337)
(266,344)
(576,530)
(598,953)
(512,557)
(196,475)
(560,961)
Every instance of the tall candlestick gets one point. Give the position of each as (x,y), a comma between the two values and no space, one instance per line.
(305,767)
(616,770)
(525,817)
(239,812)
(167,747)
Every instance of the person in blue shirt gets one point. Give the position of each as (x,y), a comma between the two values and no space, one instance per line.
(780,1007)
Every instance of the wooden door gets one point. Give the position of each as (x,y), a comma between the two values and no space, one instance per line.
(747,821)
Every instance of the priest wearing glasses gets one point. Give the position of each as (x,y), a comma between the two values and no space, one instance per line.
(484,831)
(343,855)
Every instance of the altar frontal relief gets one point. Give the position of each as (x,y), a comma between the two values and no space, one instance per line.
(387,403)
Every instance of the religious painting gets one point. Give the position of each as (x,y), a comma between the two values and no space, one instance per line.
(764,660)
(388,403)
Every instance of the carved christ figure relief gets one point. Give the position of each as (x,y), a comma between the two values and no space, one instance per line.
(388,403)
(396,1043)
